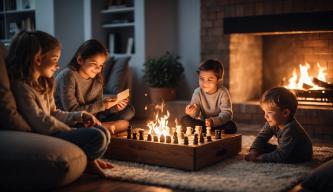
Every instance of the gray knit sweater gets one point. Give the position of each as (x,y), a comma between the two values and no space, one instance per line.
(294,143)
(216,106)
(74,93)
(40,112)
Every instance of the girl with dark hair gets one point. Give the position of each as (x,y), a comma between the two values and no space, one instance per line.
(32,61)
(80,87)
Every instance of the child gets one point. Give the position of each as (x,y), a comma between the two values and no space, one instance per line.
(294,144)
(80,87)
(210,105)
(32,60)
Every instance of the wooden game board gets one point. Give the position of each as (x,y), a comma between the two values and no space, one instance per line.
(188,157)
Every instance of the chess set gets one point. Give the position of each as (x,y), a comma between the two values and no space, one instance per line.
(188,150)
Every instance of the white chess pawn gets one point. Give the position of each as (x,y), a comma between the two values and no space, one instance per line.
(198,129)
(173,129)
(208,131)
(168,131)
(178,130)
(188,131)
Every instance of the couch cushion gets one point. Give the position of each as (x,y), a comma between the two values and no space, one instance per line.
(321,178)
(30,161)
(108,67)
(10,118)
(118,78)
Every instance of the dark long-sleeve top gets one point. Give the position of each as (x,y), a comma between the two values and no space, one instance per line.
(40,112)
(294,144)
(216,106)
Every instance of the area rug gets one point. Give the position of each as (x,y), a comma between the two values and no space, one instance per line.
(232,175)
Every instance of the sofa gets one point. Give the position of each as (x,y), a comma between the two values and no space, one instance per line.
(30,161)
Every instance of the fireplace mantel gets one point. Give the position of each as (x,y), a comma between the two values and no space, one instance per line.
(280,23)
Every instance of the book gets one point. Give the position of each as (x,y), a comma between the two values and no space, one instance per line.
(123,95)
(119,97)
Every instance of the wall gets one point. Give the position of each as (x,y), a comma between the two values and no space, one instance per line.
(161,27)
(188,46)
(45,16)
(69,27)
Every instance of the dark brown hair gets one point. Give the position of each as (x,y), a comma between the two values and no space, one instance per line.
(212,65)
(280,97)
(88,49)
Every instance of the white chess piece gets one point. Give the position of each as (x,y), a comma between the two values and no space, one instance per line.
(208,131)
(178,130)
(198,129)
(188,131)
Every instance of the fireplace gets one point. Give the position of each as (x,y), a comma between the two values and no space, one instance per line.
(262,44)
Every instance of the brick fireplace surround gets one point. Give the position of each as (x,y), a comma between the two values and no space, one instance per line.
(255,62)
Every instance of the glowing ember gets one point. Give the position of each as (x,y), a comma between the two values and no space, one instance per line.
(304,79)
(160,125)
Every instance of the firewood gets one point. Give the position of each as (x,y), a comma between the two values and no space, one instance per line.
(321,83)
(306,86)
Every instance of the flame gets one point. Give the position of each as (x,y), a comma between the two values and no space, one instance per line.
(160,125)
(298,82)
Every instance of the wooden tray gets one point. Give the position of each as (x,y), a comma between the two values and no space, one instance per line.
(188,157)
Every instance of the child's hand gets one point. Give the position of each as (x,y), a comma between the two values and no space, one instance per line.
(121,105)
(109,102)
(251,156)
(89,119)
(191,109)
(209,122)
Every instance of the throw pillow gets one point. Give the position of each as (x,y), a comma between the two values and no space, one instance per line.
(34,162)
(10,118)
(118,78)
(321,178)
(108,65)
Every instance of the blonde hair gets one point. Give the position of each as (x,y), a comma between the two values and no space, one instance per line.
(280,97)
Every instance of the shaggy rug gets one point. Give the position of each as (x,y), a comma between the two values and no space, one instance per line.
(234,174)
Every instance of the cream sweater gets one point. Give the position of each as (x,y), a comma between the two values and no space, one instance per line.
(40,112)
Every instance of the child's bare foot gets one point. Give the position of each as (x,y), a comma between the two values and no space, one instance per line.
(97,167)
(116,126)
(94,168)
(104,164)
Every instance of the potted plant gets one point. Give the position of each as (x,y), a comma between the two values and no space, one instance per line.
(162,76)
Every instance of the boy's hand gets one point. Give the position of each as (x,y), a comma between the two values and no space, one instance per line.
(89,119)
(208,122)
(251,156)
(121,105)
(109,102)
(191,109)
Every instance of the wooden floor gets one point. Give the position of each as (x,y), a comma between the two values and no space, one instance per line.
(88,183)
